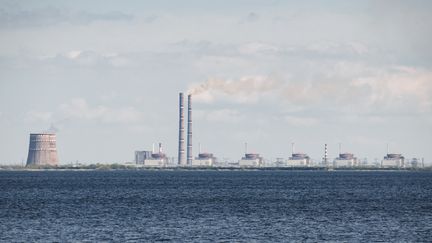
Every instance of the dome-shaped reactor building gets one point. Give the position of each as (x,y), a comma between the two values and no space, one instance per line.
(42,150)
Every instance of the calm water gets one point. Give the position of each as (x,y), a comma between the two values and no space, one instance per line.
(228,206)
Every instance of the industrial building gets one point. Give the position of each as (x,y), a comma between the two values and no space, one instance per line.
(393,161)
(158,159)
(141,156)
(416,163)
(298,160)
(280,162)
(204,159)
(42,150)
(413,163)
(251,160)
(345,160)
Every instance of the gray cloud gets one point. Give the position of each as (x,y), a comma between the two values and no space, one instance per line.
(252,17)
(23,18)
(89,59)
(78,108)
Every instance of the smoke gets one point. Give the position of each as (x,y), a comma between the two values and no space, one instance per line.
(52,129)
(249,86)
(390,90)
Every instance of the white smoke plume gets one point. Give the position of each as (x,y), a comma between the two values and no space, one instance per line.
(382,90)
(245,88)
(52,129)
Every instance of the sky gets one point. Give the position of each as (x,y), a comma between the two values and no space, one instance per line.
(105,76)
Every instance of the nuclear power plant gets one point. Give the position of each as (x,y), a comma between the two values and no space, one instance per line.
(42,150)
(300,160)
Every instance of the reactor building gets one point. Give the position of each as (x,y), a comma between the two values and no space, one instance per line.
(345,160)
(298,160)
(251,160)
(42,150)
(156,159)
(204,159)
(392,161)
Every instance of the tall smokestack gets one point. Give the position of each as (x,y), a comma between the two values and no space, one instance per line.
(189,132)
(325,155)
(181,145)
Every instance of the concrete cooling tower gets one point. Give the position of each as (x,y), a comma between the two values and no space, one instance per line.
(42,149)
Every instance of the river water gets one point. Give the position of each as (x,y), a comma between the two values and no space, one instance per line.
(222,206)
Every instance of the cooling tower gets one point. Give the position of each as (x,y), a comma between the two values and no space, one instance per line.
(189,132)
(42,149)
(181,145)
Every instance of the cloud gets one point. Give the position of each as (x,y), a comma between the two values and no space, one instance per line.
(258,47)
(301,121)
(150,19)
(399,87)
(222,115)
(78,108)
(24,18)
(250,18)
(53,128)
(338,48)
(386,91)
(89,59)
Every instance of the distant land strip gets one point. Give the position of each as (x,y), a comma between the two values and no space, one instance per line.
(189,168)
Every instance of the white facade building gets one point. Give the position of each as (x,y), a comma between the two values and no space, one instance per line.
(251,160)
(204,159)
(393,161)
(298,160)
(345,160)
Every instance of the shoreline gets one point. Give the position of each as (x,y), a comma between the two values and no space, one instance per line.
(132,168)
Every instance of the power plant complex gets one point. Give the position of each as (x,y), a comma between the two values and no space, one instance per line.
(43,152)
(300,160)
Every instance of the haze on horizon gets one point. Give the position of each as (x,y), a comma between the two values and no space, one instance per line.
(105,75)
